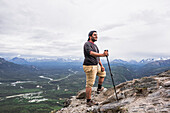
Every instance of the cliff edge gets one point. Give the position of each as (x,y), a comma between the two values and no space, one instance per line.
(145,95)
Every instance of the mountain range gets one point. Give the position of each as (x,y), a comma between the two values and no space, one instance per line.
(141,62)
(70,73)
(18,60)
(123,70)
(12,71)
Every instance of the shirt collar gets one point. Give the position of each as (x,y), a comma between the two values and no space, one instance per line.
(91,42)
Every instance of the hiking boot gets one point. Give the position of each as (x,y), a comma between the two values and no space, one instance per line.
(91,103)
(100,90)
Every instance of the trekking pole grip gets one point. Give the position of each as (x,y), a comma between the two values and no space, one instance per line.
(107,51)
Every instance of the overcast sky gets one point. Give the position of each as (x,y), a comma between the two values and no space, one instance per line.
(129,29)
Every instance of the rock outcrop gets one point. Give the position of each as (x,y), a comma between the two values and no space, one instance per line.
(145,95)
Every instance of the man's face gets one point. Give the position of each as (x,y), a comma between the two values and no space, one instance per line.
(94,37)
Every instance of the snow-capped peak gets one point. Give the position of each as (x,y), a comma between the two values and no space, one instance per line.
(152,60)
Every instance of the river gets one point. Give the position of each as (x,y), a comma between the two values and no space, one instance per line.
(26,95)
(46,77)
(51,79)
(33,97)
(20,82)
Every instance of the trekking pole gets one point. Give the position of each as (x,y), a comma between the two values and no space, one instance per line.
(111,76)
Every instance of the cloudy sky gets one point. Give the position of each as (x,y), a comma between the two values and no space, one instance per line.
(129,29)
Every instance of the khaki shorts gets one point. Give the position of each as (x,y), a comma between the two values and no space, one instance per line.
(91,72)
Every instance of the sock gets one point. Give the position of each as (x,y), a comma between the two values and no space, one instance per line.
(88,100)
(99,86)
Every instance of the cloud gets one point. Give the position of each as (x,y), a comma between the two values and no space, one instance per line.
(52,28)
(149,17)
(150,54)
(110,27)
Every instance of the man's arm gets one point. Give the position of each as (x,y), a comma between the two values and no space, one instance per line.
(99,54)
(102,68)
(100,63)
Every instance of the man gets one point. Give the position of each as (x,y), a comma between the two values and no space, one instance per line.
(92,66)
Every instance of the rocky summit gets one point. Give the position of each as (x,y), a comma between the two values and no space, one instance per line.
(145,95)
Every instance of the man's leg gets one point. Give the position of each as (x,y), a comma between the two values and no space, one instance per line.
(88,93)
(88,97)
(102,75)
(101,79)
(91,72)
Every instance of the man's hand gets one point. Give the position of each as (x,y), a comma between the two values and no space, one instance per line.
(106,53)
(102,68)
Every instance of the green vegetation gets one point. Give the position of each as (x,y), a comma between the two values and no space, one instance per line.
(21,104)
(28,108)
(56,96)
(42,96)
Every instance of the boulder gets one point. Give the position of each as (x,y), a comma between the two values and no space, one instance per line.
(81,94)
(145,95)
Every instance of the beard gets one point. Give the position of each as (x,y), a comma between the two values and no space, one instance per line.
(93,39)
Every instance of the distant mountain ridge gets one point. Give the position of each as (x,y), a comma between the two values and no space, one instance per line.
(119,61)
(19,60)
(128,70)
(154,67)
(11,71)
(143,61)
(160,63)
(123,70)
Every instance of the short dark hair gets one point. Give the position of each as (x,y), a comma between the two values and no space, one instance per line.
(90,34)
